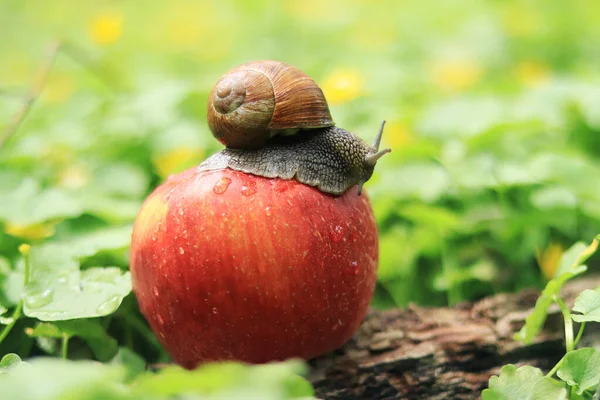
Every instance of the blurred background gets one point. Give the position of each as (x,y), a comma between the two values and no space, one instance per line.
(493,111)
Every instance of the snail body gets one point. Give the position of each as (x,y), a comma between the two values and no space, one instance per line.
(259,100)
(330,159)
(275,122)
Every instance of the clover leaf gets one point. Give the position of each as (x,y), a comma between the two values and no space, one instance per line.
(524,383)
(581,369)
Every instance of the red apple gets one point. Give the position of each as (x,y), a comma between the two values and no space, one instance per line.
(231,266)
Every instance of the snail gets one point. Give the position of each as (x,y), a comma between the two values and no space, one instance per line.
(261,99)
(275,123)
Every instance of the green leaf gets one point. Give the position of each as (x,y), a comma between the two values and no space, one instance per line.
(553,197)
(581,369)
(10,362)
(86,245)
(400,245)
(271,381)
(588,304)
(112,209)
(483,271)
(103,346)
(513,174)
(28,204)
(463,117)
(423,181)
(576,255)
(56,379)
(67,293)
(46,329)
(4,320)
(570,266)
(524,383)
(122,179)
(59,290)
(437,218)
(535,321)
(292,384)
(133,363)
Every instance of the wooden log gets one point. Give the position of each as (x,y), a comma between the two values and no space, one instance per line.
(443,353)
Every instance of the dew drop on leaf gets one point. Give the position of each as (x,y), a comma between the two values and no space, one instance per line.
(39,299)
(109,305)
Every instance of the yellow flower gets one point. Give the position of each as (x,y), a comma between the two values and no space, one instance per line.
(342,85)
(455,74)
(397,134)
(532,72)
(31,232)
(106,28)
(73,177)
(24,249)
(176,160)
(549,258)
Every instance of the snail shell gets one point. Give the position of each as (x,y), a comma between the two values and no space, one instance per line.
(261,99)
(331,159)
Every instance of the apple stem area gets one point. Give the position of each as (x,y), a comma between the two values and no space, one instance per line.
(441,353)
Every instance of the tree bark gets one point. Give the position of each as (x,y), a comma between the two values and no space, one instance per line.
(443,353)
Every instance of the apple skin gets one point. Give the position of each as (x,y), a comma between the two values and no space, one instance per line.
(232,266)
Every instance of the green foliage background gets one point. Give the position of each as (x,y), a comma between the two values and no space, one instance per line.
(493,113)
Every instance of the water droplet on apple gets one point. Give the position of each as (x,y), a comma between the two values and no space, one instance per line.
(168,195)
(155,290)
(38,298)
(354,269)
(221,185)
(281,186)
(181,250)
(337,325)
(249,188)
(268,211)
(215,311)
(109,305)
(336,233)
(154,238)
(160,319)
